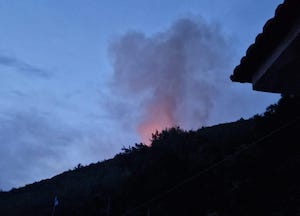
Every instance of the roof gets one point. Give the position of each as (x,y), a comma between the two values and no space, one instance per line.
(274,31)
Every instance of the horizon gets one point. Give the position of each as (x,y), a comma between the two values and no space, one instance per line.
(82,80)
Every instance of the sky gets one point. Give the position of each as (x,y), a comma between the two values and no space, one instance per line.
(81,79)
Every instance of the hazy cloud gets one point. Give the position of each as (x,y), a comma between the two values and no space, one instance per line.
(36,144)
(32,147)
(22,67)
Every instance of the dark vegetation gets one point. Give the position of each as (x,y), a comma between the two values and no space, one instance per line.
(248,167)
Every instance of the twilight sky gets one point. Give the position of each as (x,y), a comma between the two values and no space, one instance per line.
(81,79)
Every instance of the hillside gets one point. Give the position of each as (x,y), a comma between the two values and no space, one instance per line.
(247,167)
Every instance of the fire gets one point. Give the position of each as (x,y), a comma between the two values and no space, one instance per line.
(159,118)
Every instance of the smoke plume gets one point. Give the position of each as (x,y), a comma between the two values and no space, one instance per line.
(169,78)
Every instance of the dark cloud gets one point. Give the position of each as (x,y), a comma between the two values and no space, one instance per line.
(37,144)
(173,76)
(23,67)
(32,147)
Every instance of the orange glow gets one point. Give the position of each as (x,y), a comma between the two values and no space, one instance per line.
(158,118)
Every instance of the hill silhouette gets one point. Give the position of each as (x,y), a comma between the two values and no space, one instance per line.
(247,167)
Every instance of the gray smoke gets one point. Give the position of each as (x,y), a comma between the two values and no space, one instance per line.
(172,76)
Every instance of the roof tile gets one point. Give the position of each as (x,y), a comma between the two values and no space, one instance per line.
(274,31)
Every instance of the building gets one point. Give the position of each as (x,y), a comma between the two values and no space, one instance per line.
(272,62)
